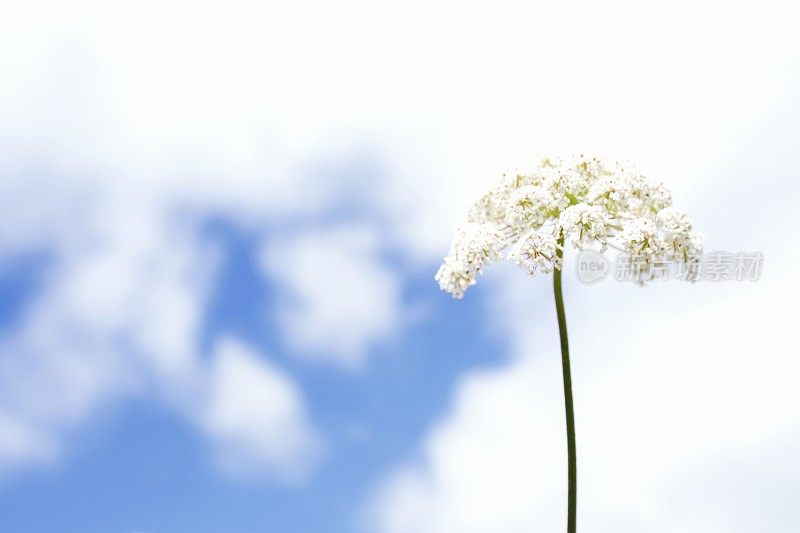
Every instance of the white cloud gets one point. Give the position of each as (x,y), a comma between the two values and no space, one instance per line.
(342,297)
(119,313)
(21,444)
(684,394)
(677,387)
(257,417)
(107,135)
(692,395)
(110,180)
(494,463)
(456,103)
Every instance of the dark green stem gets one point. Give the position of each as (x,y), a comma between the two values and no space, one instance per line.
(572,490)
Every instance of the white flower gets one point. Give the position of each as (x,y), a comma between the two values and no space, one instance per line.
(585,223)
(673,221)
(641,239)
(473,246)
(530,206)
(610,192)
(453,278)
(645,197)
(584,200)
(491,207)
(536,251)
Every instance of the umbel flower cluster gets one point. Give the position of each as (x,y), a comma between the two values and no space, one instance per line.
(529,215)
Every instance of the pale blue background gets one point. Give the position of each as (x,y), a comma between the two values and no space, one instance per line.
(187,187)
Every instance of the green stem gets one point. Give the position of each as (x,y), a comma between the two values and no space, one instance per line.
(572,490)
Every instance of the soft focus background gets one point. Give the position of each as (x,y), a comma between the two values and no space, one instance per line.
(219,224)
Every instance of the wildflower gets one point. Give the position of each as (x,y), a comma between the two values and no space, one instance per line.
(585,223)
(537,251)
(585,201)
(530,214)
(474,245)
(530,206)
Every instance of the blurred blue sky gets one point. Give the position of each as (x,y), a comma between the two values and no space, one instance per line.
(139,453)
(219,226)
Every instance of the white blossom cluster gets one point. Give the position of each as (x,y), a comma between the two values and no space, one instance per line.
(585,201)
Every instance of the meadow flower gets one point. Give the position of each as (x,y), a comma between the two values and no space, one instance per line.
(585,223)
(530,206)
(537,251)
(474,245)
(529,215)
(584,201)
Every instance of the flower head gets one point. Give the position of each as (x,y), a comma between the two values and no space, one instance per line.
(474,245)
(529,214)
(585,224)
(537,251)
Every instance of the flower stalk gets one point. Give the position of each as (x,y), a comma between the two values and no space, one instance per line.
(572,462)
